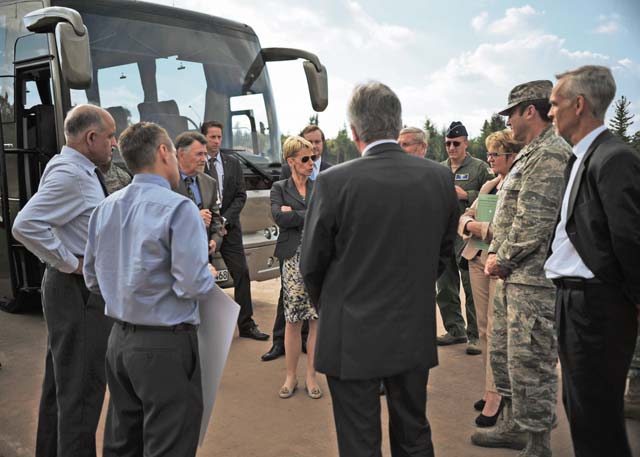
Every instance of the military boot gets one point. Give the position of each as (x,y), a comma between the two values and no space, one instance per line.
(505,434)
(632,399)
(538,445)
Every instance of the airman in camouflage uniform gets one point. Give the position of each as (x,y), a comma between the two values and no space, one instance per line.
(632,398)
(524,348)
(469,175)
(115,178)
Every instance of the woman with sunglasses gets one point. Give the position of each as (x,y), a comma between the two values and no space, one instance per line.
(289,199)
(502,150)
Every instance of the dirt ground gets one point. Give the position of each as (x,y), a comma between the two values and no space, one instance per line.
(249,418)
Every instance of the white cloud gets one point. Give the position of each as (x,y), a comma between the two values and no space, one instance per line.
(584,55)
(608,25)
(515,20)
(480,21)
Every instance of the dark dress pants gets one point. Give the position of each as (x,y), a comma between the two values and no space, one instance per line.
(448,297)
(156,392)
(232,251)
(597,327)
(74,379)
(356,410)
(279,323)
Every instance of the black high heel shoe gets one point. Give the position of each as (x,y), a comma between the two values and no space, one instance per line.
(489,421)
(479,405)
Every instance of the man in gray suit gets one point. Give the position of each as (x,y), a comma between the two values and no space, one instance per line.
(202,189)
(370,262)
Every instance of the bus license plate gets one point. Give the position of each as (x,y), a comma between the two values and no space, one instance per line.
(223,275)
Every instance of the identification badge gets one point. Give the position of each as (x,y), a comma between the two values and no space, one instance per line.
(462,177)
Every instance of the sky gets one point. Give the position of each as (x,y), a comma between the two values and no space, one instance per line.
(445,60)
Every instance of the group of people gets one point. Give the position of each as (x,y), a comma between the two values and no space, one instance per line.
(366,249)
(126,286)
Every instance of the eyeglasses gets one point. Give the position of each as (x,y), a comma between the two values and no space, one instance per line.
(494,155)
(454,143)
(305,159)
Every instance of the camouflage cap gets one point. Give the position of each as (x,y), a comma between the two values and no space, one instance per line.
(533,90)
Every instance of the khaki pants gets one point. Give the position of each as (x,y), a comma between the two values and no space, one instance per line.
(483,288)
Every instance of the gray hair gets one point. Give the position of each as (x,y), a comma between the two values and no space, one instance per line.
(82,118)
(139,143)
(374,112)
(186,139)
(419,135)
(594,82)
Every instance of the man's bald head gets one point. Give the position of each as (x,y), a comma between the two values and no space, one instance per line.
(85,117)
(91,130)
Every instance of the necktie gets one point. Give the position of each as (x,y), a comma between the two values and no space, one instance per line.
(189,181)
(102,182)
(214,175)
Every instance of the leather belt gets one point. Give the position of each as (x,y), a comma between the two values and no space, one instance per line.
(576,283)
(165,328)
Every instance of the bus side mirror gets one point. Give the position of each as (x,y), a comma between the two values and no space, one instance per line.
(318,86)
(72,40)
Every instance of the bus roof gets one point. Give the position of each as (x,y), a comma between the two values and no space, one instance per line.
(153,12)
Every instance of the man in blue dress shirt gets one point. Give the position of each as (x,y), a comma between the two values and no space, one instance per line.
(145,255)
(53,226)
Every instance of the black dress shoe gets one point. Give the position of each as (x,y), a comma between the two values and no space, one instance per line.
(489,421)
(277,350)
(254,333)
(479,405)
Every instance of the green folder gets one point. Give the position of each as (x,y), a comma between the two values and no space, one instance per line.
(484,213)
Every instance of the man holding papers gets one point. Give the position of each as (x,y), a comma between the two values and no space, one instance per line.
(145,254)
(523,346)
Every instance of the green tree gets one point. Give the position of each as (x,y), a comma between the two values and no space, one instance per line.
(635,141)
(436,150)
(313,119)
(622,119)
(341,148)
(477,147)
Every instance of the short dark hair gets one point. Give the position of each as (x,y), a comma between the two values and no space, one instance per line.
(542,106)
(206,125)
(186,139)
(139,142)
(311,128)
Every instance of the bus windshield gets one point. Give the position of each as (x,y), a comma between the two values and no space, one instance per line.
(179,76)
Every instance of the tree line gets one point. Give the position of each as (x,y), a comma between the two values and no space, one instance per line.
(341,148)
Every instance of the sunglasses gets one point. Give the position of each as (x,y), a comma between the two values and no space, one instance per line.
(305,159)
(454,143)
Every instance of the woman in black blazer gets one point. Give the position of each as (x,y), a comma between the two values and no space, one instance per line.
(289,199)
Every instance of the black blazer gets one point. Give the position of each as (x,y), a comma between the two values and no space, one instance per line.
(378,232)
(234,194)
(603,216)
(286,171)
(284,193)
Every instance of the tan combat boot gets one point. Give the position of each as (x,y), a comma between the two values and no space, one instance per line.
(505,434)
(632,399)
(538,445)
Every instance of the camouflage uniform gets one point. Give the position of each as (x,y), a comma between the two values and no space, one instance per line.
(523,349)
(470,176)
(115,178)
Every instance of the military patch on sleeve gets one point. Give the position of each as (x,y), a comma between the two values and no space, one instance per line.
(462,177)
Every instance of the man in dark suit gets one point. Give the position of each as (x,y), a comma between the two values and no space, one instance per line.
(227,172)
(595,263)
(315,136)
(370,261)
(202,189)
